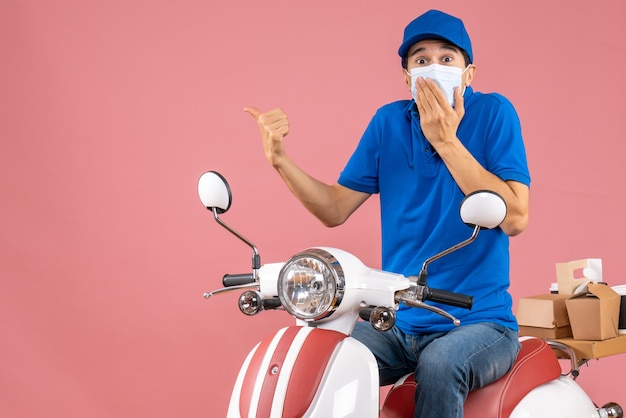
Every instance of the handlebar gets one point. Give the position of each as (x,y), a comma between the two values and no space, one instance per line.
(449,298)
(273,303)
(366,312)
(230,280)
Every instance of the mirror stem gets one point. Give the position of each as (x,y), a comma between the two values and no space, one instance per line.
(256,258)
(423,273)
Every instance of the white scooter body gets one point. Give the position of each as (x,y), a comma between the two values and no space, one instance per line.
(560,398)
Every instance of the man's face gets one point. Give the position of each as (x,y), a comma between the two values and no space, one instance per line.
(432,51)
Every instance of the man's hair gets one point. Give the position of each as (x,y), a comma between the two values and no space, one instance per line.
(405,60)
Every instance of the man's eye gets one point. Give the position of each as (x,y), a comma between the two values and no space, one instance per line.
(420,61)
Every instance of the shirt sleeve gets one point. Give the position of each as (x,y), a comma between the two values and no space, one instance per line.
(505,151)
(361,170)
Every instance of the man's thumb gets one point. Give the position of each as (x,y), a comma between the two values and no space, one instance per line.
(253,111)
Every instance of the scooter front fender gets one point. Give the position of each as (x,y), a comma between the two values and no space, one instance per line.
(302,372)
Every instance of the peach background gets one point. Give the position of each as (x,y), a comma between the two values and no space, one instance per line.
(110,111)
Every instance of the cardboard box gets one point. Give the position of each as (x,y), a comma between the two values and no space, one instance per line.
(594,314)
(544,316)
(621,290)
(596,349)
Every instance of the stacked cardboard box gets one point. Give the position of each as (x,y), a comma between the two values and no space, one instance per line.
(544,316)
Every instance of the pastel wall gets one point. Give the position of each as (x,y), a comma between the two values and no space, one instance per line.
(110,111)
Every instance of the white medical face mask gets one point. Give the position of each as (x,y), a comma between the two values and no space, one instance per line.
(447,77)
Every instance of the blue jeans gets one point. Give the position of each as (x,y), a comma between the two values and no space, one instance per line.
(447,365)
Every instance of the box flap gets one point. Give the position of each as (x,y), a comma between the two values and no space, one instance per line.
(602,291)
(598,290)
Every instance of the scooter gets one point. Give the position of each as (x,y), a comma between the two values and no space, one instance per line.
(315,369)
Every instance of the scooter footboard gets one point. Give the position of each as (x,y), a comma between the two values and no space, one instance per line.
(306,372)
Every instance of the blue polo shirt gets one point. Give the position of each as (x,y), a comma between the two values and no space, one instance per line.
(419,202)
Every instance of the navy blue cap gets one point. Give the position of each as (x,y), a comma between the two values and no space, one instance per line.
(436,25)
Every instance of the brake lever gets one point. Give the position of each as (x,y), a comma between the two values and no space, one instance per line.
(254,285)
(414,295)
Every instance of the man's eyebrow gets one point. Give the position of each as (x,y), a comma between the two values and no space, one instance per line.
(416,51)
(447,46)
(451,47)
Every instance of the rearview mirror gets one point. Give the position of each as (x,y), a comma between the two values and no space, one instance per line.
(214,192)
(483,208)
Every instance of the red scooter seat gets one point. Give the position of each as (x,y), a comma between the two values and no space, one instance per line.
(535,365)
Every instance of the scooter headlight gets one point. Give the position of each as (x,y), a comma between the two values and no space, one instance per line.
(311,284)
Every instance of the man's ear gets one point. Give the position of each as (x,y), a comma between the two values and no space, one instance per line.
(469,74)
(407,78)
